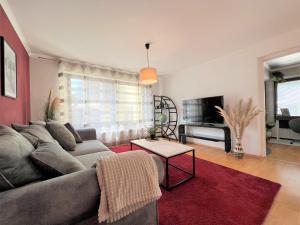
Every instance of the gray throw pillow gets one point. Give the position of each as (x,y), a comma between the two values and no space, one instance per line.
(19,127)
(16,167)
(36,133)
(54,161)
(5,183)
(74,132)
(64,137)
(38,122)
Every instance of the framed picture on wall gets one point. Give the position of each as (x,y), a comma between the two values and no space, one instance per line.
(8,70)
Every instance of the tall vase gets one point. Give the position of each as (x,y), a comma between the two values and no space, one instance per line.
(238,149)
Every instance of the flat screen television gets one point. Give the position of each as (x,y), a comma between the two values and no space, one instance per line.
(202,110)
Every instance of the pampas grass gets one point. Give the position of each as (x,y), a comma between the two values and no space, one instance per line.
(239,117)
(51,108)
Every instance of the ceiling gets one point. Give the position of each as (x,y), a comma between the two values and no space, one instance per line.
(183,33)
(284,61)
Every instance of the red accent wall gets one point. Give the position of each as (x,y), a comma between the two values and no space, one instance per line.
(15,110)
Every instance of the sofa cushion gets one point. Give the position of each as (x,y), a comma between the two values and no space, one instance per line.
(74,132)
(87,147)
(64,137)
(36,133)
(16,168)
(32,139)
(19,127)
(5,183)
(54,161)
(89,160)
(38,122)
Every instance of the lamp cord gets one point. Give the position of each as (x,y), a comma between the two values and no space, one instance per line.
(148,57)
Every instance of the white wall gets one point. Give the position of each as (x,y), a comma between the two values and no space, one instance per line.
(43,78)
(238,75)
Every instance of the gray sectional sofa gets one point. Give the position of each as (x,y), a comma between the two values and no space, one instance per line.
(68,199)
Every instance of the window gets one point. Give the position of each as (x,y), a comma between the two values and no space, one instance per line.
(288,96)
(119,110)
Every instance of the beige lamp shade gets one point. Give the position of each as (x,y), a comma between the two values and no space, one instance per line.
(148,76)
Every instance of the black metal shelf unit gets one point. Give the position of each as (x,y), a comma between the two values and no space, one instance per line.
(165,105)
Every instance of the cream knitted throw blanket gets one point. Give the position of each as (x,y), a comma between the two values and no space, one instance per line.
(128,181)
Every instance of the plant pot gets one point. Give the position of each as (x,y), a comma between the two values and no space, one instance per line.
(152,136)
(239,155)
(269,135)
(238,149)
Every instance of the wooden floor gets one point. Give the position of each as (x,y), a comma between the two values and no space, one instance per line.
(281,166)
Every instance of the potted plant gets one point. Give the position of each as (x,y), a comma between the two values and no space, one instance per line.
(269,126)
(152,132)
(163,118)
(51,107)
(277,77)
(238,118)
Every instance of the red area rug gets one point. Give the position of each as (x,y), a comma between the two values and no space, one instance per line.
(216,196)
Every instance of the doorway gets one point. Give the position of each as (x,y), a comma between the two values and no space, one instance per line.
(282,103)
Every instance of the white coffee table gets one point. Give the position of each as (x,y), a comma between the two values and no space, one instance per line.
(167,149)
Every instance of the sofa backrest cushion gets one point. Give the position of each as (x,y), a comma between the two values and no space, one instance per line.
(54,161)
(16,167)
(64,137)
(38,122)
(74,132)
(19,127)
(36,133)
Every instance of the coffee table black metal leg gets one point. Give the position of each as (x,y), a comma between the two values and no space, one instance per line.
(193,162)
(167,174)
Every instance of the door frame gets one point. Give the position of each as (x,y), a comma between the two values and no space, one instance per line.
(262,101)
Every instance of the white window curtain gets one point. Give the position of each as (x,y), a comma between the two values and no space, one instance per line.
(111,101)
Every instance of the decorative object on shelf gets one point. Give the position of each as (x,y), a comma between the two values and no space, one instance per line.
(148,75)
(238,118)
(8,69)
(165,116)
(277,77)
(51,107)
(152,132)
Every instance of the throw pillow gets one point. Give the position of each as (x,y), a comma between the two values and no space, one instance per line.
(18,127)
(64,137)
(74,132)
(36,133)
(54,161)
(38,122)
(16,168)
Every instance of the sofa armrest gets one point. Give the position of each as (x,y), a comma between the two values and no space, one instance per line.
(87,134)
(160,167)
(62,200)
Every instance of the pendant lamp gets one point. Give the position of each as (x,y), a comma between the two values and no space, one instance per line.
(148,75)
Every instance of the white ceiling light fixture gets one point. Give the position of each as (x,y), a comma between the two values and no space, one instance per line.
(148,75)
